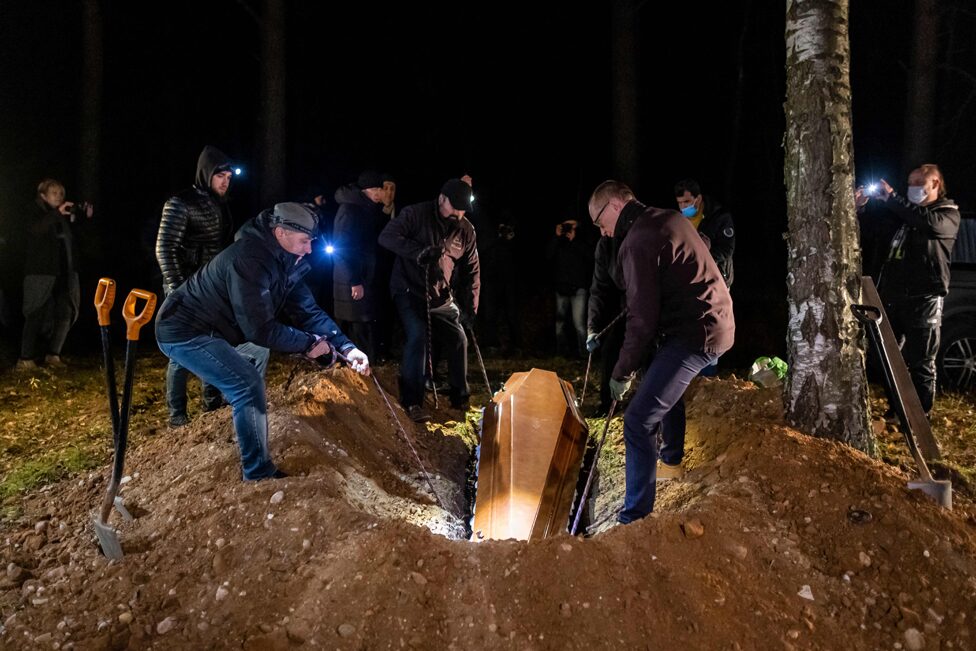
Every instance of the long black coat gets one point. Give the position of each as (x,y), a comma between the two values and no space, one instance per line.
(358,223)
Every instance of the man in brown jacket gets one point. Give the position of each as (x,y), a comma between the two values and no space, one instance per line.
(678,310)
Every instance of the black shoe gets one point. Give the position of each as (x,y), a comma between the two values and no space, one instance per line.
(463,405)
(441,386)
(179,420)
(279,474)
(213,405)
(418,414)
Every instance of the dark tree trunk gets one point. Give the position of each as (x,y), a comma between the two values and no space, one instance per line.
(624,22)
(272,124)
(920,111)
(826,389)
(91,102)
(732,163)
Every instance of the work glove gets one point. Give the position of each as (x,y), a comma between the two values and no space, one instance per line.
(358,361)
(619,388)
(321,352)
(592,342)
(429,256)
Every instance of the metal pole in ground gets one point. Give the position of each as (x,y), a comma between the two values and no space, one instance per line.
(589,477)
(477,350)
(430,335)
(589,358)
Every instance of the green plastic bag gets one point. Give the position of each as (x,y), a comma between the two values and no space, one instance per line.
(768,371)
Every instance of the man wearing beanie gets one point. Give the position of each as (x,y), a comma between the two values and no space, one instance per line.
(434,244)
(221,323)
(196,225)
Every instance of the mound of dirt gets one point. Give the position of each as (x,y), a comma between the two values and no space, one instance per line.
(774,540)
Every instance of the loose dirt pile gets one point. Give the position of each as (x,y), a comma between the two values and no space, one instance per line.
(775,540)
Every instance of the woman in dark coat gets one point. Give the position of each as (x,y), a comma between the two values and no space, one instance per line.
(51,291)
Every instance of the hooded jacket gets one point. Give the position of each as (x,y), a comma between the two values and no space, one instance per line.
(238,295)
(917,261)
(196,224)
(358,223)
(673,288)
(419,226)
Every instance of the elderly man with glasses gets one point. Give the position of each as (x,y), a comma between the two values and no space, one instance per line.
(679,315)
(221,323)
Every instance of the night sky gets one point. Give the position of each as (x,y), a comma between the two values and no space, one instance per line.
(516,95)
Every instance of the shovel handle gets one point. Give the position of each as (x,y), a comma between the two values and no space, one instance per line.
(104,300)
(866,313)
(133,321)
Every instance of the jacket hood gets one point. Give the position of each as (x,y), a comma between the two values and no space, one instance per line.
(352,194)
(211,159)
(261,229)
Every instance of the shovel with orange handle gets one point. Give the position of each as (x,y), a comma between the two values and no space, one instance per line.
(108,537)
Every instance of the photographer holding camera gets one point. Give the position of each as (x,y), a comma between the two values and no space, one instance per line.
(51,290)
(570,258)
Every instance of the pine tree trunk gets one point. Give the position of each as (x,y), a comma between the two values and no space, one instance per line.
(272,124)
(922,75)
(91,103)
(826,389)
(624,22)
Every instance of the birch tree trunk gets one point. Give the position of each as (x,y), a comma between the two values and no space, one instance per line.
(624,22)
(826,389)
(272,136)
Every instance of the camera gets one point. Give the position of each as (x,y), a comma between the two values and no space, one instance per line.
(79,210)
(505,232)
(566,228)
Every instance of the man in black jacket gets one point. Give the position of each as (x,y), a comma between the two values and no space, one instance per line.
(711,220)
(222,321)
(914,278)
(569,256)
(434,242)
(196,225)
(356,290)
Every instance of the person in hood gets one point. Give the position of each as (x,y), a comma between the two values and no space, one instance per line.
(196,225)
(221,323)
(679,316)
(914,277)
(433,243)
(356,290)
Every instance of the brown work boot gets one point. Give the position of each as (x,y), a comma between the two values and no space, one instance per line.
(667,471)
(53,360)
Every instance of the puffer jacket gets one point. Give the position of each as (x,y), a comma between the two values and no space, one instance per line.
(917,263)
(238,295)
(196,224)
(717,226)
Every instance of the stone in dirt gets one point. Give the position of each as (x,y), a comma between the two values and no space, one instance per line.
(165,626)
(693,528)
(346,630)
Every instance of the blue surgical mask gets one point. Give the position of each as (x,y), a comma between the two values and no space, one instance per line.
(689,211)
(917,194)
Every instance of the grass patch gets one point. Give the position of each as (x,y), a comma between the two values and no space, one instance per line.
(47,469)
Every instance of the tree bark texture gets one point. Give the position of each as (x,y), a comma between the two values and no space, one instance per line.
(624,23)
(826,389)
(922,77)
(272,124)
(91,103)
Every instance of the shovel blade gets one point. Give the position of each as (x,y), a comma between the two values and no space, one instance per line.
(108,539)
(940,490)
(120,507)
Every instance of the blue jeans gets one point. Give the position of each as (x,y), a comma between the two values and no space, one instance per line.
(444,321)
(176,377)
(238,373)
(674,366)
(571,307)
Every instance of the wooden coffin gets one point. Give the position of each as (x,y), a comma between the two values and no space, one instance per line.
(532,444)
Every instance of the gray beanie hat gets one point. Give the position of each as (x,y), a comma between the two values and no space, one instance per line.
(295,217)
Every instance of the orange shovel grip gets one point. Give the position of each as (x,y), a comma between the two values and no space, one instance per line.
(104,300)
(133,321)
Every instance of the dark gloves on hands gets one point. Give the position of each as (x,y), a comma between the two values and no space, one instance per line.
(429,256)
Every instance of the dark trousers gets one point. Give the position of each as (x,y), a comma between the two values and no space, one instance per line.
(446,330)
(916,322)
(674,366)
(363,334)
(176,378)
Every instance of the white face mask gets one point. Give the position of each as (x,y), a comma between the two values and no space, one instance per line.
(917,194)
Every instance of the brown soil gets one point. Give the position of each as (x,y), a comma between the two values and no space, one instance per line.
(775,540)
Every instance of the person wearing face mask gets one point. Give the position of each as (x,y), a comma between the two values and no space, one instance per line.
(434,245)
(221,323)
(913,279)
(711,220)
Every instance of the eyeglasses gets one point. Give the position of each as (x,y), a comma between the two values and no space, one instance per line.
(596,220)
